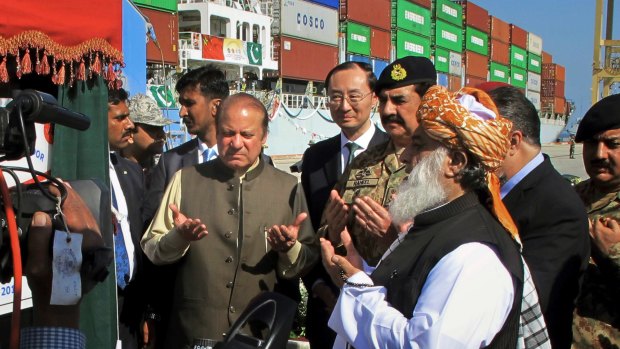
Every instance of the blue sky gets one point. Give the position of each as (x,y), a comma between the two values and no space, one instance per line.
(567,29)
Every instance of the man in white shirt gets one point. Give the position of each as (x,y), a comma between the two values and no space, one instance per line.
(456,279)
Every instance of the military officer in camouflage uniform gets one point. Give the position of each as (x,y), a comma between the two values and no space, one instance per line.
(597,318)
(361,198)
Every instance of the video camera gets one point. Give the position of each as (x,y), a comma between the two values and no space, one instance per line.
(17,140)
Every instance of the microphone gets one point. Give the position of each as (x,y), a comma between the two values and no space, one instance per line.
(41,107)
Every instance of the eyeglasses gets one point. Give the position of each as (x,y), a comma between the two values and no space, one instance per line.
(353,99)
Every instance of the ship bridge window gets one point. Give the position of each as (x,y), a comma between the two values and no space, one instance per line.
(189,21)
(255,33)
(219,26)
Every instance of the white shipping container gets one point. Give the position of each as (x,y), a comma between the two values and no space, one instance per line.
(534,44)
(533,82)
(456,64)
(305,20)
(534,97)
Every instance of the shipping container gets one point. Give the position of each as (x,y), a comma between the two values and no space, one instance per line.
(518,36)
(518,57)
(534,43)
(442,80)
(534,97)
(534,82)
(475,16)
(476,41)
(449,12)
(166,26)
(455,82)
(304,20)
(534,63)
(358,38)
(500,30)
(499,72)
(423,3)
(473,81)
(499,51)
(375,13)
(441,59)
(476,65)
(456,64)
(553,71)
(552,88)
(555,105)
(306,60)
(359,58)
(378,65)
(547,58)
(518,77)
(409,44)
(448,36)
(162,5)
(411,17)
(328,3)
(380,43)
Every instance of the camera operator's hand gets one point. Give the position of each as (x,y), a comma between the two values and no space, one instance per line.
(39,263)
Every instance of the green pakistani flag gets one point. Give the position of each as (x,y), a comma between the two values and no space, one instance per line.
(255,53)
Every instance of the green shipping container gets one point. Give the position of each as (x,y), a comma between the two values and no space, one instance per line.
(476,41)
(518,57)
(169,5)
(518,77)
(449,11)
(358,38)
(448,36)
(499,72)
(409,44)
(413,18)
(441,59)
(534,63)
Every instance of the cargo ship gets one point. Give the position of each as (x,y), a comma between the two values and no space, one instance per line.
(281,50)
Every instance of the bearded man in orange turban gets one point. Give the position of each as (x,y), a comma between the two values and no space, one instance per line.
(456,278)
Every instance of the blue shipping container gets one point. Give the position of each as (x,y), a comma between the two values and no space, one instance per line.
(378,66)
(328,3)
(442,80)
(358,58)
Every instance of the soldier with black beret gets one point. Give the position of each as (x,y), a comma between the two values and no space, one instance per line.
(364,192)
(597,320)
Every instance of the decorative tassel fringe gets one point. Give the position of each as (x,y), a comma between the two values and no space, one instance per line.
(81,73)
(96,66)
(19,66)
(45,64)
(59,78)
(4,74)
(110,75)
(27,63)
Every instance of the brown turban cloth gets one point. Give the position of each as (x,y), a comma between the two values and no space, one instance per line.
(477,129)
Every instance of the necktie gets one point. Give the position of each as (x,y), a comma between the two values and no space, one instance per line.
(206,155)
(352,146)
(121,258)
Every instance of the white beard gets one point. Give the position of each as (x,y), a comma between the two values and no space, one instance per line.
(422,191)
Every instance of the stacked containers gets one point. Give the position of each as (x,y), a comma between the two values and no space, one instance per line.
(518,57)
(534,67)
(552,92)
(476,43)
(499,50)
(448,42)
(367,33)
(309,33)
(411,29)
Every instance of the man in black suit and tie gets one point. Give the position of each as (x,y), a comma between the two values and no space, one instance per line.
(350,87)
(126,187)
(551,218)
(200,94)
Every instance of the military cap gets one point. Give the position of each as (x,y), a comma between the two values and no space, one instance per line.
(602,116)
(144,110)
(407,71)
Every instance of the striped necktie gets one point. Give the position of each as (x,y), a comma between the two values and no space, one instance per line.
(121,258)
(352,146)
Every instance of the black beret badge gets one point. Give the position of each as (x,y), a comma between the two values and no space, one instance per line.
(398,72)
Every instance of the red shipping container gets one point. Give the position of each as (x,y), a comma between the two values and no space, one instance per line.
(473,81)
(476,65)
(475,16)
(518,36)
(553,71)
(552,88)
(500,30)
(555,105)
(375,13)
(167,29)
(306,60)
(500,52)
(423,3)
(380,43)
(454,83)
(547,58)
